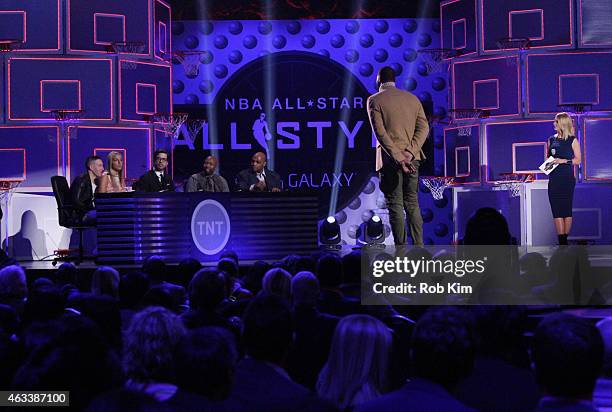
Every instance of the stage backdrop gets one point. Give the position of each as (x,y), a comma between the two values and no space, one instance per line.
(297,90)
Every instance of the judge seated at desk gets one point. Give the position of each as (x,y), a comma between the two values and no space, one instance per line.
(258,178)
(157,179)
(207,180)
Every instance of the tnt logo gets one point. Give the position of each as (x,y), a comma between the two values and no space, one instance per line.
(210,227)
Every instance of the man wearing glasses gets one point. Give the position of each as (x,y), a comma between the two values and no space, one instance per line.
(156,180)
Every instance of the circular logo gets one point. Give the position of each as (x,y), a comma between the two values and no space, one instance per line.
(210,227)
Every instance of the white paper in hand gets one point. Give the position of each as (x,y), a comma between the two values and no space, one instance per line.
(548,165)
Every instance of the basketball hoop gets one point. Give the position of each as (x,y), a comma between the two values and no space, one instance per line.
(8,45)
(578,109)
(190,61)
(467,114)
(170,123)
(437,184)
(434,58)
(67,115)
(128,48)
(512,182)
(194,126)
(513,43)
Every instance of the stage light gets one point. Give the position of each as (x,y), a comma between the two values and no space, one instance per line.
(374,231)
(329,232)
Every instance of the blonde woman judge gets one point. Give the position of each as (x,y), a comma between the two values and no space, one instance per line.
(564,147)
(113,180)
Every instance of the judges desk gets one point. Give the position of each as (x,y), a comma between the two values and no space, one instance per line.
(175,226)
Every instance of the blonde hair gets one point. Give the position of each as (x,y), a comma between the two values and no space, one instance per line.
(565,125)
(356,369)
(109,165)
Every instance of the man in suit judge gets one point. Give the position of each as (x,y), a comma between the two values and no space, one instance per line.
(258,178)
(156,179)
(207,180)
(400,126)
(83,188)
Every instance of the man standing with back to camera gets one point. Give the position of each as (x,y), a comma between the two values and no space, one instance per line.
(400,126)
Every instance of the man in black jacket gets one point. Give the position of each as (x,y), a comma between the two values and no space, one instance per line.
(258,178)
(156,179)
(83,188)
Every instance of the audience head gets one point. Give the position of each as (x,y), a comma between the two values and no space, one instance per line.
(105,281)
(210,165)
(160,159)
(258,162)
(358,362)
(159,295)
(329,271)
(305,264)
(186,269)
(103,310)
(305,289)
(94,165)
(230,254)
(66,274)
(443,346)
(207,289)
(267,330)
(150,344)
(567,355)
(254,277)
(351,267)
(487,227)
(229,267)
(154,267)
(206,359)
(277,281)
(13,286)
(44,303)
(132,288)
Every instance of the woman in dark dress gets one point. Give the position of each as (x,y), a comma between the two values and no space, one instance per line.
(564,147)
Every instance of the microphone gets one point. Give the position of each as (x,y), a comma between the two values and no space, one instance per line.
(553,151)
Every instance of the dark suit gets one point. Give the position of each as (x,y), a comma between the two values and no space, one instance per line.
(248,177)
(82,194)
(149,182)
(417,395)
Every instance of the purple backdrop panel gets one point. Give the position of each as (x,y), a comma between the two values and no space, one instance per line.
(591,212)
(547,23)
(162,23)
(37,86)
(518,147)
(31,153)
(594,17)
(461,154)
(94,24)
(164,141)
(134,143)
(35,23)
(144,91)
(458,23)
(469,201)
(491,84)
(597,149)
(556,78)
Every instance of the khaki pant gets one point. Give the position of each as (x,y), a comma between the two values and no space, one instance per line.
(401,194)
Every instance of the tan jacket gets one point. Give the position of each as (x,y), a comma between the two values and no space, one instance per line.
(399,124)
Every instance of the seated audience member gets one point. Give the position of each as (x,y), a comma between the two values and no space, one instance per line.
(254,278)
(159,295)
(77,359)
(205,360)
(358,364)
(132,288)
(261,382)
(155,268)
(149,353)
(44,303)
(206,291)
(502,379)
(83,188)
(442,354)
(186,269)
(113,181)
(13,287)
(207,180)
(103,310)
(231,271)
(258,178)
(313,331)
(105,281)
(156,179)
(277,282)
(332,301)
(567,354)
(66,274)
(602,395)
